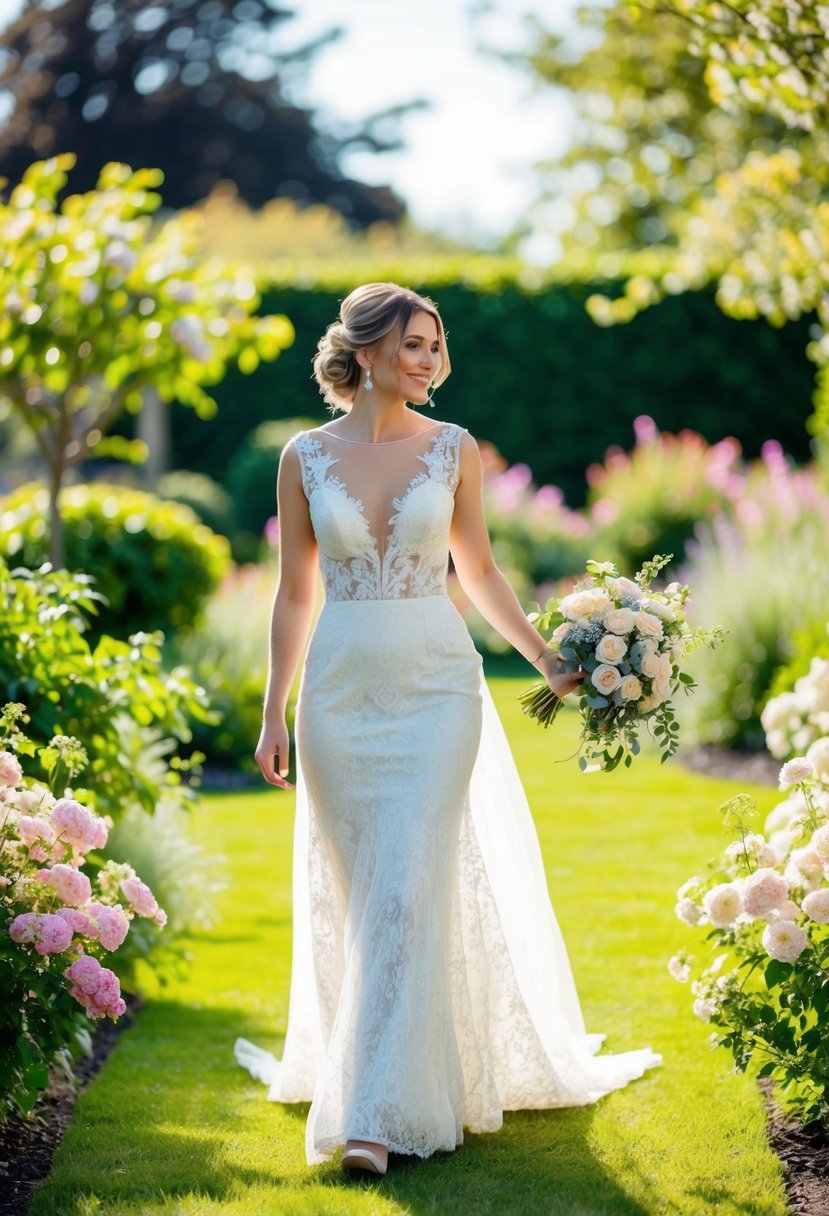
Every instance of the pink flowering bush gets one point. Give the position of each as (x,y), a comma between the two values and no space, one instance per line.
(765,908)
(56,921)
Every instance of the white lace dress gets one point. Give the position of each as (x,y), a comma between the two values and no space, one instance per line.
(430,987)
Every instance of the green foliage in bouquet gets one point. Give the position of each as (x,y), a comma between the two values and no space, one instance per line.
(153,561)
(629,639)
(765,906)
(108,694)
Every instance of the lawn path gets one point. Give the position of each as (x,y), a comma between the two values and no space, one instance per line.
(173,1125)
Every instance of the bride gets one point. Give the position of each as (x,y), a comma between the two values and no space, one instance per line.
(430,986)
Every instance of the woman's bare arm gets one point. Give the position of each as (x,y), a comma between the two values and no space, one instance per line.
(481,579)
(293,610)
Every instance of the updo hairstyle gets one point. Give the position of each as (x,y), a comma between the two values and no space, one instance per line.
(366,315)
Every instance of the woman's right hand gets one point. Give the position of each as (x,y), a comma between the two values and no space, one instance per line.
(273,753)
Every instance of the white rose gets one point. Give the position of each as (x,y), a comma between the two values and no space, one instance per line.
(688,912)
(665,666)
(661,689)
(820,843)
(791,811)
(784,940)
(606,679)
(805,868)
(803,737)
(788,910)
(619,620)
(723,904)
(625,588)
(647,624)
(780,713)
(583,605)
(679,969)
(795,771)
(704,1008)
(561,631)
(647,704)
(763,890)
(611,649)
(659,609)
(630,688)
(818,753)
(816,906)
(650,665)
(777,741)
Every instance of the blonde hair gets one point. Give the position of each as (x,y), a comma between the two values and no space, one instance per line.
(367,314)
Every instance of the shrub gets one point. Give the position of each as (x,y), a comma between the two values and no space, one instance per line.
(765,908)
(204,496)
(108,694)
(153,561)
(251,480)
(56,921)
(651,500)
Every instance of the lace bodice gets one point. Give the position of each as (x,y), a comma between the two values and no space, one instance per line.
(406,553)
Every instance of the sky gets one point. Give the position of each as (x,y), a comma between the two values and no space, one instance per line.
(466,169)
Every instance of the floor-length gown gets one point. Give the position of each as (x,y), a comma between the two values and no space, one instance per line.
(430,987)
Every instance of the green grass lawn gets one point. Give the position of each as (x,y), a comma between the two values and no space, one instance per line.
(173,1125)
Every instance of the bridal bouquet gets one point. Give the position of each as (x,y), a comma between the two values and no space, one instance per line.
(629,639)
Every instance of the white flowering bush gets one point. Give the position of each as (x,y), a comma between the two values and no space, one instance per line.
(629,639)
(799,719)
(57,921)
(764,907)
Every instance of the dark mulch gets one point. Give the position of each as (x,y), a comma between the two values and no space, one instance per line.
(804,1152)
(27,1145)
(757,767)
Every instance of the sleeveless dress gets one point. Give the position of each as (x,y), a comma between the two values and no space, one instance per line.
(430,986)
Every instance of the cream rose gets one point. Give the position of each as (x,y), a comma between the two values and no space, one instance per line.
(611,649)
(784,940)
(649,665)
(818,753)
(583,605)
(816,906)
(661,689)
(606,679)
(561,631)
(625,587)
(763,890)
(647,704)
(620,620)
(723,904)
(659,609)
(647,624)
(665,666)
(630,688)
(820,843)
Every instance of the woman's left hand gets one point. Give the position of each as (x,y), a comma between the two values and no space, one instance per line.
(560,682)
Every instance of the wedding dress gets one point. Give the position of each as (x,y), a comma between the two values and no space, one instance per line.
(430,986)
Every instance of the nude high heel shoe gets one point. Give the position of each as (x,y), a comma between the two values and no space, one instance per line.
(360,1156)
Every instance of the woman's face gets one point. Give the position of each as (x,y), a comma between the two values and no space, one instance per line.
(418,360)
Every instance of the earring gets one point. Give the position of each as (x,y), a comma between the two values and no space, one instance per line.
(369,382)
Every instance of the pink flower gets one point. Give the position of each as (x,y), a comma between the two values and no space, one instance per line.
(95,987)
(71,885)
(140,896)
(34,828)
(113,926)
(79,922)
(77,825)
(55,934)
(160,918)
(24,928)
(10,771)
(763,890)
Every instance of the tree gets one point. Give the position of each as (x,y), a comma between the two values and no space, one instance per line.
(757,226)
(101,306)
(194,87)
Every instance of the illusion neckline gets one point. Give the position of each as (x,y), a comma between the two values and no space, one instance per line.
(369,443)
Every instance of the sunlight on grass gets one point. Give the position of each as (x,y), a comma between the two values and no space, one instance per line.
(173,1125)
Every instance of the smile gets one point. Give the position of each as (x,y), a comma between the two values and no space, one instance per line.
(420,379)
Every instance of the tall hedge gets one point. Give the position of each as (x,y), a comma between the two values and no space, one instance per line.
(534,375)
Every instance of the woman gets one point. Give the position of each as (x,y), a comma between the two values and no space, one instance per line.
(430,987)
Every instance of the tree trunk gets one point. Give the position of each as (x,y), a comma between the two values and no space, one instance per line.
(56,555)
(154,429)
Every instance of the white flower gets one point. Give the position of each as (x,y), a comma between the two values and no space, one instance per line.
(582,605)
(777,741)
(679,968)
(665,666)
(788,910)
(661,689)
(650,665)
(816,906)
(647,624)
(820,843)
(704,1008)
(619,620)
(625,588)
(795,771)
(723,904)
(611,649)
(606,679)
(659,609)
(787,813)
(763,890)
(805,868)
(688,912)
(630,688)
(784,940)
(561,631)
(648,703)
(818,753)
(781,713)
